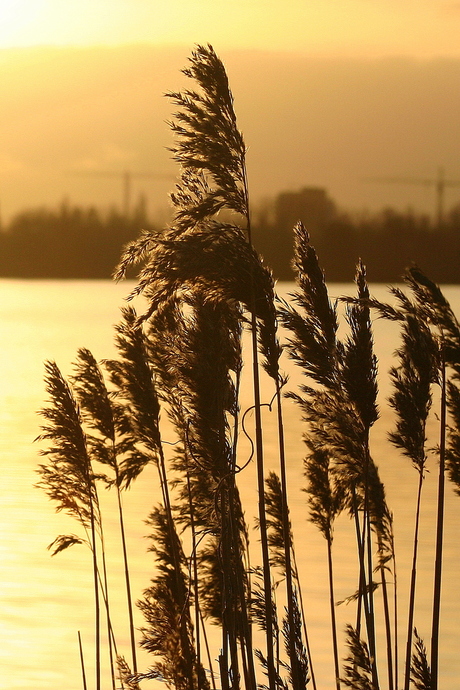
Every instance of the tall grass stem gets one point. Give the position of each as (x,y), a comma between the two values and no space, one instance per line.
(82,662)
(439,533)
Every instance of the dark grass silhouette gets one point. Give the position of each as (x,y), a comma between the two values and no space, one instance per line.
(204,284)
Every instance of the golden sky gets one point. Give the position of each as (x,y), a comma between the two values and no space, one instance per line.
(421,28)
(327,92)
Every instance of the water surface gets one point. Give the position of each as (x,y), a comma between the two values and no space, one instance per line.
(44,601)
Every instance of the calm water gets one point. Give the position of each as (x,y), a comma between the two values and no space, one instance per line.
(44,601)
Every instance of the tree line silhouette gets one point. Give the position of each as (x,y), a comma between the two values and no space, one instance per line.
(84,243)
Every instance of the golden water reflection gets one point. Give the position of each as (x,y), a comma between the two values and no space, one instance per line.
(44,601)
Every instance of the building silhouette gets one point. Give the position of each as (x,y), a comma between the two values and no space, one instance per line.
(311,205)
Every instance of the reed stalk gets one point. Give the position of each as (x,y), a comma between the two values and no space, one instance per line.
(262,516)
(413,578)
(304,623)
(194,581)
(325,502)
(330,571)
(105,595)
(127,582)
(260,461)
(97,622)
(439,535)
(82,662)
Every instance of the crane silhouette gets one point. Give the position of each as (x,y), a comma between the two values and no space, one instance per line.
(439,183)
(126,177)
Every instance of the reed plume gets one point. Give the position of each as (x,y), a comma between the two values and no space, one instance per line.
(136,399)
(206,366)
(431,302)
(358,667)
(194,353)
(68,478)
(298,678)
(295,619)
(109,444)
(198,253)
(411,399)
(274,508)
(168,631)
(412,379)
(420,670)
(313,343)
(435,309)
(340,404)
(326,500)
(208,137)
(138,396)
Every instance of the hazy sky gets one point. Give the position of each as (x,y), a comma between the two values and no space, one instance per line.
(327,92)
(327,27)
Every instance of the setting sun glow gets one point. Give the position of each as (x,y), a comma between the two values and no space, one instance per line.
(18,21)
(335,27)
